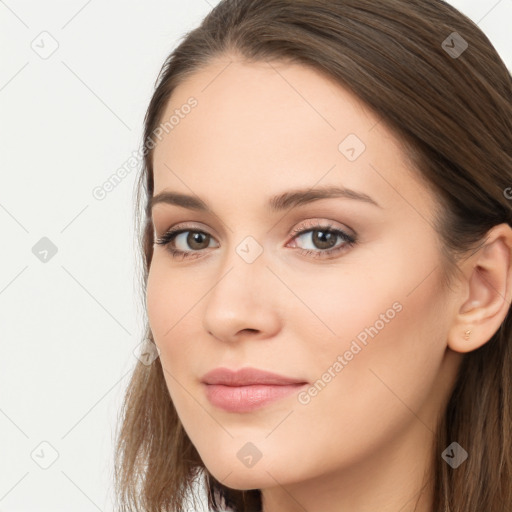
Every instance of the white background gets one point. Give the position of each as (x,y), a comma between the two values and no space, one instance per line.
(69,326)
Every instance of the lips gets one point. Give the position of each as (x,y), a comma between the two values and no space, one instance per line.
(247,389)
(247,376)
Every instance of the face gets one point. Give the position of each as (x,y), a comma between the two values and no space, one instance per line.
(341,294)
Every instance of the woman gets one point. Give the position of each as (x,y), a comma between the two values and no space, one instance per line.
(327,265)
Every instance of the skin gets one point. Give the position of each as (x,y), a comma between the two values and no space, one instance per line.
(363,443)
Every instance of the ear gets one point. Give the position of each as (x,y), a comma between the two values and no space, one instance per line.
(486,292)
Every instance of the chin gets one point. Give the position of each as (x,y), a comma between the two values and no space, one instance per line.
(241,478)
(263,474)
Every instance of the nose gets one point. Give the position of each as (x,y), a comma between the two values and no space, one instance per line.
(242,301)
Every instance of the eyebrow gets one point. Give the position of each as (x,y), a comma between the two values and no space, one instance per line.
(277,203)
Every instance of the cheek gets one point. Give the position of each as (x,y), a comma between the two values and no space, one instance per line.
(168,299)
(342,305)
(158,301)
(389,348)
(171,315)
(173,301)
(338,307)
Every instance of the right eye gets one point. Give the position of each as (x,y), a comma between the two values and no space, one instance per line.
(183,237)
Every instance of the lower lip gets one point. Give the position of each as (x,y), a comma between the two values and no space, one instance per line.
(247,398)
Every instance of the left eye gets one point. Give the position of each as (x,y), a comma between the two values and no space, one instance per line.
(194,239)
(323,239)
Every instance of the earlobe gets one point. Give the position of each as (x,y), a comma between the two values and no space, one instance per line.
(486,292)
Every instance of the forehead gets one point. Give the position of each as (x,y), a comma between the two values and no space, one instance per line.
(268,126)
(252,103)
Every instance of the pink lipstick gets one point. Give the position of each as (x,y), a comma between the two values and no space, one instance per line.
(247,389)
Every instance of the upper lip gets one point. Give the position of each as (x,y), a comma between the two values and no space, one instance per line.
(246,377)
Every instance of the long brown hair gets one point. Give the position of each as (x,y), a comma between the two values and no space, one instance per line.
(453,116)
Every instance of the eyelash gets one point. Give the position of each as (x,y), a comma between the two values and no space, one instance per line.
(349,241)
